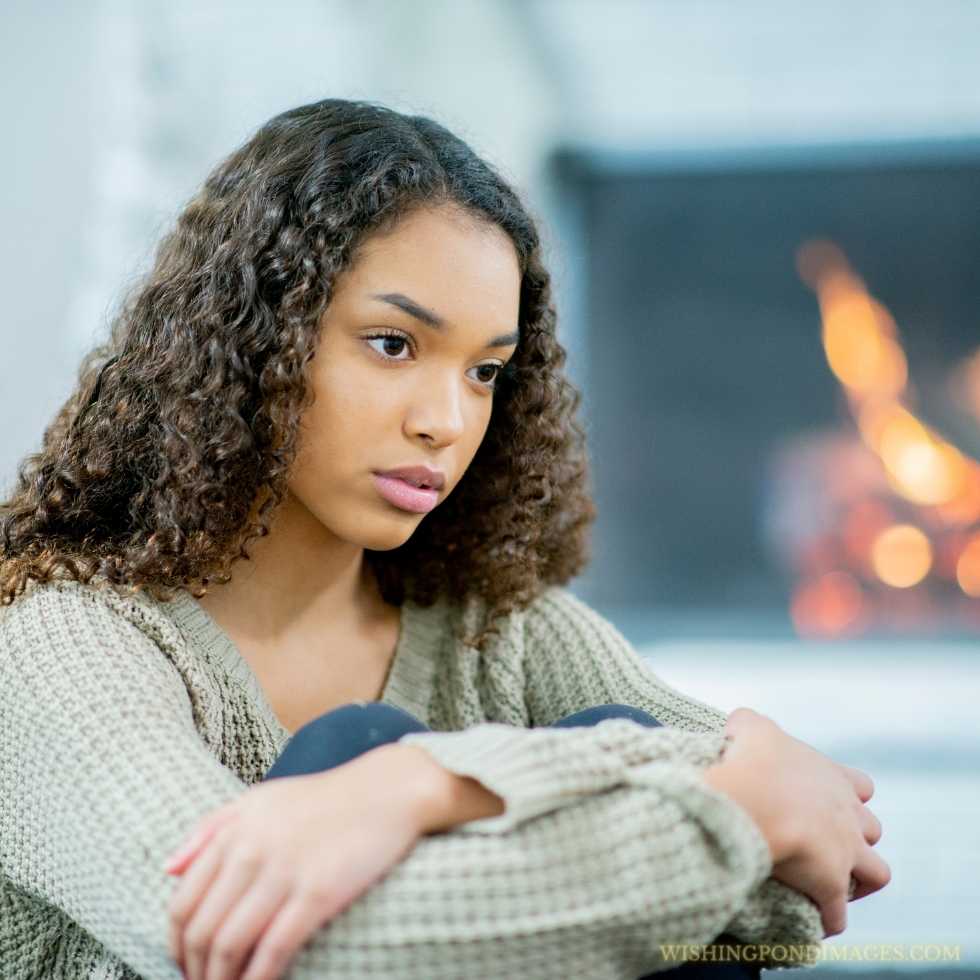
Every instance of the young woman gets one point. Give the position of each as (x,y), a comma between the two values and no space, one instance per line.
(390,741)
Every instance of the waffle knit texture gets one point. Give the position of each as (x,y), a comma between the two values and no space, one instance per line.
(124,721)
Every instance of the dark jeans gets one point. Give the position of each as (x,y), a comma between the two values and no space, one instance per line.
(344,733)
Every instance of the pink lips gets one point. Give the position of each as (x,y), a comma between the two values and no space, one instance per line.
(405,495)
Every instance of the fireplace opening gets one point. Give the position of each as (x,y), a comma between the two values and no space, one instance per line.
(782,387)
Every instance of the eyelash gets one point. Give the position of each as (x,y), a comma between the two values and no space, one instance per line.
(504,371)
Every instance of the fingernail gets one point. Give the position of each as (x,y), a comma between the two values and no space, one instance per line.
(170,864)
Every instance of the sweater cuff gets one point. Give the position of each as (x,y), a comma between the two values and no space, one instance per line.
(520,765)
(783,919)
(537,770)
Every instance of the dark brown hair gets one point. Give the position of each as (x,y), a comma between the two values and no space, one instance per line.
(188,415)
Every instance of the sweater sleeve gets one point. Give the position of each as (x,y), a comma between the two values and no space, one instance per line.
(576,658)
(103,770)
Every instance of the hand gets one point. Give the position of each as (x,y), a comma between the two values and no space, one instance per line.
(810,809)
(284,858)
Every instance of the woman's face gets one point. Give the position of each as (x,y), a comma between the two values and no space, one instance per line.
(423,394)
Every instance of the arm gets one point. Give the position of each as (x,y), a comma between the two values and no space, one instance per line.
(108,771)
(575,658)
(102,770)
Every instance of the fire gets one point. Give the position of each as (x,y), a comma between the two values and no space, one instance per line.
(863,349)
(922,468)
(857,341)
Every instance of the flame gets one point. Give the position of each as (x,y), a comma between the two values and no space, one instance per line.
(926,471)
(864,351)
(858,342)
(862,347)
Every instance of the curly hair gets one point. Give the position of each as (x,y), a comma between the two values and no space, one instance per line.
(187,416)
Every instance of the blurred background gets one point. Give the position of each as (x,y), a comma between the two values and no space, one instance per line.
(762,222)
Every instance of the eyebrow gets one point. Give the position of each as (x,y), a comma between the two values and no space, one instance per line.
(435,321)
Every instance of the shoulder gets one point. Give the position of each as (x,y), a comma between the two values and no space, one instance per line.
(563,634)
(574,658)
(555,620)
(65,643)
(65,605)
(64,624)
(557,614)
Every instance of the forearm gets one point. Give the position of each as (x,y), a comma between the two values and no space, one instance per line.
(591,889)
(491,777)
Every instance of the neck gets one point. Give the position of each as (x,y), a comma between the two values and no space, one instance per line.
(300,578)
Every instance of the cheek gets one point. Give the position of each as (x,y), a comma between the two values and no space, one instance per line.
(352,387)
(350,410)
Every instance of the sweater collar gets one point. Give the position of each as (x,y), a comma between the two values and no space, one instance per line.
(410,679)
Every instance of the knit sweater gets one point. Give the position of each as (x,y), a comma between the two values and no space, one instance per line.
(124,720)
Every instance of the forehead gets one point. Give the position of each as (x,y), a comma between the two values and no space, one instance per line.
(464,268)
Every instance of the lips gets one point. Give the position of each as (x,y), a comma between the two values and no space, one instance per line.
(404,495)
(417,476)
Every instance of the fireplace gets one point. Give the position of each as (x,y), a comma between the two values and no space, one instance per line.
(781,364)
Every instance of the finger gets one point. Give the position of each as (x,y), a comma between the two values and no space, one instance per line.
(297,920)
(191,847)
(871,872)
(189,893)
(863,784)
(833,913)
(739,717)
(870,825)
(244,925)
(223,893)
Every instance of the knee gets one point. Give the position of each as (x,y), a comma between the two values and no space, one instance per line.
(381,721)
(597,713)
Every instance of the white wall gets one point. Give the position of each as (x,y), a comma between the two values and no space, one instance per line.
(661,72)
(116,111)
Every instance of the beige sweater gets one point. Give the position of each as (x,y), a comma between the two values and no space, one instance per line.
(123,721)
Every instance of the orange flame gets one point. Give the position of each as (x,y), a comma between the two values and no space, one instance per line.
(863,349)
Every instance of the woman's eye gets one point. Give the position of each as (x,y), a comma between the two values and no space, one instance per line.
(386,339)
(401,343)
(495,368)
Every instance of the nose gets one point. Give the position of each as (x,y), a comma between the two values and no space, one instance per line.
(437,409)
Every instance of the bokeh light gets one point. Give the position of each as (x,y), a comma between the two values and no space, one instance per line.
(828,606)
(901,556)
(968,568)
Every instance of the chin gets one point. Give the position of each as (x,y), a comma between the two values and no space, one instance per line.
(387,539)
